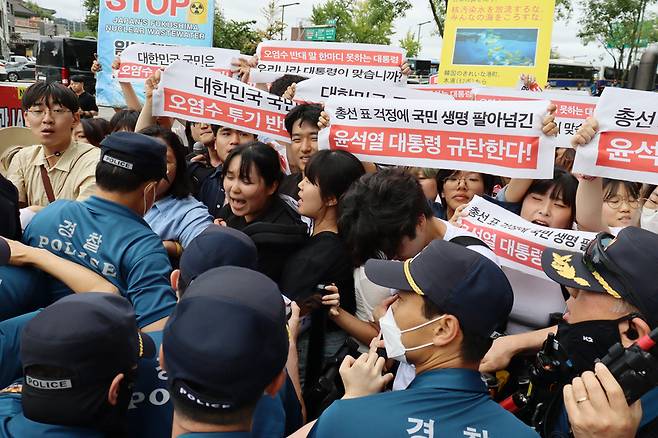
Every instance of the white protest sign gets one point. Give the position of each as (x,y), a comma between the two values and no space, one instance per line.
(518,243)
(139,61)
(319,89)
(201,95)
(372,62)
(501,138)
(459,92)
(572,108)
(626,145)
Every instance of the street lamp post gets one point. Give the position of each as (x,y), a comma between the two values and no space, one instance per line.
(283,10)
(420,25)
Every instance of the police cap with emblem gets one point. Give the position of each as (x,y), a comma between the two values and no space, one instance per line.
(459,281)
(623,267)
(226,340)
(88,338)
(138,153)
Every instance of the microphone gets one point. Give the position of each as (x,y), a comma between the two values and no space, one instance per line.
(198,148)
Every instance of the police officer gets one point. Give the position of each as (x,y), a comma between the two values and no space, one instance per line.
(217,379)
(79,357)
(106,233)
(613,299)
(451,301)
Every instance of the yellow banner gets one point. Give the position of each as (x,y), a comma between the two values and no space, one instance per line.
(494,41)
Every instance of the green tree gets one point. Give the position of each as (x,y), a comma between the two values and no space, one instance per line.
(91,19)
(273,25)
(617,25)
(363,21)
(411,44)
(232,34)
(563,10)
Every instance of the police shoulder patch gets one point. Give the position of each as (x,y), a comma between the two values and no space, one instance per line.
(14,388)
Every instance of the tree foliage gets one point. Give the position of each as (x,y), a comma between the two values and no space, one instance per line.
(41,12)
(273,25)
(232,34)
(363,21)
(91,20)
(411,44)
(618,26)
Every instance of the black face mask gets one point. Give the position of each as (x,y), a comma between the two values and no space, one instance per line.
(587,341)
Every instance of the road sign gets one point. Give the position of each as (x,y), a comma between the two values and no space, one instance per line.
(320,33)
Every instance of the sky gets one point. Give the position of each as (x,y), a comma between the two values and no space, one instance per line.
(564,38)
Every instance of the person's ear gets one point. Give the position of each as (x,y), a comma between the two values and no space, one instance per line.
(631,331)
(26,120)
(276,384)
(272,190)
(113,393)
(331,202)
(76,119)
(445,331)
(174,278)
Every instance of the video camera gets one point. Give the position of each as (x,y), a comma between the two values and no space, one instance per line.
(635,368)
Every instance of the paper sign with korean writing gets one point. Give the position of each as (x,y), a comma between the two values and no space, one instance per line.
(572,108)
(372,62)
(626,145)
(122,23)
(139,61)
(11,110)
(494,41)
(202,95)
(501,138)
(319,89)
(518,243)
(459,92)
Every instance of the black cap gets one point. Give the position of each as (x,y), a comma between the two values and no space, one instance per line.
(226,339)
(5,252)
(634,252)
(137,153)
(78,78)
(459,281)
(217,246)
(93,335)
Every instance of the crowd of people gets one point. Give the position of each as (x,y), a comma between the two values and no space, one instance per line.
(164,277)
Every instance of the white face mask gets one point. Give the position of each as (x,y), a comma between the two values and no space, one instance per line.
(392,335)
(155,187)
(649,220)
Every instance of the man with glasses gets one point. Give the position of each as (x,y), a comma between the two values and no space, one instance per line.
(59,167)
(613,299)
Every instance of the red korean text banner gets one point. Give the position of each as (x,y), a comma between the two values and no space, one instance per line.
(371,62)
(201,95)
(572,108)
(459,92)
(139,61)
(500,138)
(11,112)
(320,89)
(626,145)
(519,244)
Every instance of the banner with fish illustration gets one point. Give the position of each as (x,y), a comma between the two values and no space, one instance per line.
(493,42)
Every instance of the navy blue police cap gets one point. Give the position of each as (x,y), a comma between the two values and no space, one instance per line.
(90,337)
(459,281)
(214,247)
(623,270)
(226,340)
(138,153)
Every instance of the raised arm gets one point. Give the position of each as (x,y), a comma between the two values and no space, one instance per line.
(78,278)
